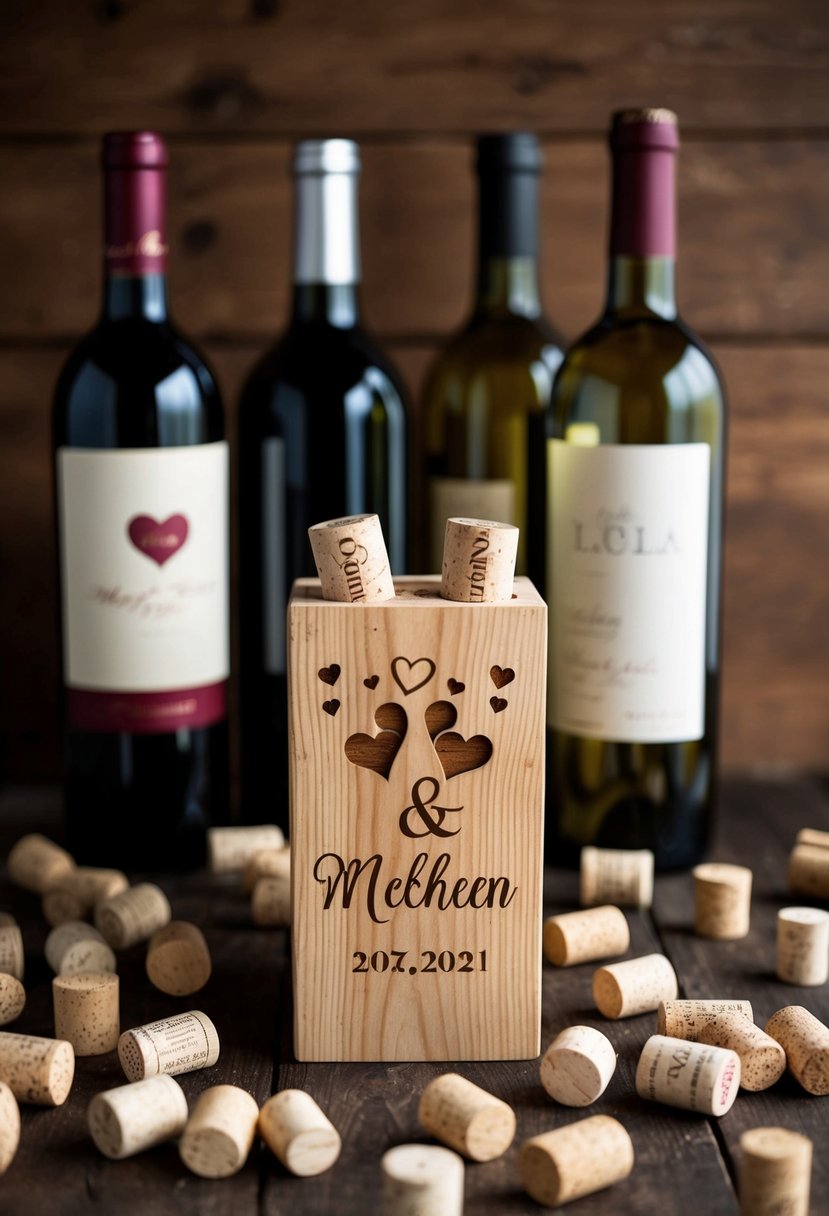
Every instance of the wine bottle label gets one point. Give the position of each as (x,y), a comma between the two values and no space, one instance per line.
(144,574)
(466,498)
(628,572)
(274,579)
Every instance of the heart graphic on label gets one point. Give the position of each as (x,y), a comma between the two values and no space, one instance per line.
(412,679)
(378,752)
(331,707)
(455,686)
(458,755)
(371,681)
(498,703)
(158,541)
(329,675)
(501,676)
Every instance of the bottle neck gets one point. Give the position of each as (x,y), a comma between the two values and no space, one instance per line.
(638,285)
(508,280)
(643,233)
(135,244)
(142,297)
(326,248)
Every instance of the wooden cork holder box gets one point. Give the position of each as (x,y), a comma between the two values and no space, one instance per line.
(417,744)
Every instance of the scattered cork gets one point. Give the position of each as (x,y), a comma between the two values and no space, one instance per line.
(12,999)
(691,1076)
(12,958)
(803,946)
(638,985)
(266,863)
(686,1019)
(133,915)
(178,959)
(809,870)
(466,1117)
(87,1011)
(722,900)
(814,837)
(9,1126)
(583,937)
(577,1066)
(762,1059)
(576,1160)
(422,1180)
(131,1118)
(35,863)
(78,946)
(270,903)
(172,1045)
(219,1132)
(478,561)
(351,560)
(230,849)
(623,877)
(805,1041)
(298,1133)
(775,1172)
(37,1070)
(76,893)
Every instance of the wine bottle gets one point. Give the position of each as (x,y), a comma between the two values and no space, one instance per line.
(488,390)
(142,523)
(635,484)
(322,434)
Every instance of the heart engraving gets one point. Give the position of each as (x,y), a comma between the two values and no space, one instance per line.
(371,681)
(418,672)
(458,755)
(378,752)
(158,541)
(501,676)
(331,707)
(329,675)
(498,703)
(455,686)
(439,717)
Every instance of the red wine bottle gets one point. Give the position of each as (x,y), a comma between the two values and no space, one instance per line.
(142,520)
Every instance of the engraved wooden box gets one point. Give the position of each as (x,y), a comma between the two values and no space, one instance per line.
(417,783)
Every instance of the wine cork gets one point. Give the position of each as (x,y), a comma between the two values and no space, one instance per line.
(814,837)
(77,946)
(131,1118)
(266,863)
(685,1019)
(691,1076)
(298,1133)
(616,876)
(637,985)
(87,1012)
(12,958)
(583,937)
(577,1066)
(9,1126)
(576,1160)
(422,1180)
(722,900)
(219,1132)
(132,916)
(351,560)
(466,1117)
(805,1041)
(36,862)
(803,946)
(775,1172)
(271,901)
(12,999)
(230,849)
(478,561)
(178,959)
(809,870)
(75,894)
(36,1070)
(172,1045)
(762,1059)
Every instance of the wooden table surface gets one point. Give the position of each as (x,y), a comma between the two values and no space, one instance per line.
(684,1163)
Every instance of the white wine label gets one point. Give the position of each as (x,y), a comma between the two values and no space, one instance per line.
(274,579)
(144,582)
(466,498)
(627,572)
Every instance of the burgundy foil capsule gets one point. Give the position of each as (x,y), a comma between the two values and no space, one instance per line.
(644,144)
(135,184)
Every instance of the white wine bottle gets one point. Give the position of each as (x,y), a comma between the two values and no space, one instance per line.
(635,472)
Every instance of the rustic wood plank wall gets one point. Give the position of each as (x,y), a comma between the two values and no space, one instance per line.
(232,83)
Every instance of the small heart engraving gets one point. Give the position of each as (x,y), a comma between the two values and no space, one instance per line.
(331,707)
(158,541)
(378,752)
(458,755)
(371,681)
(329,675)
(498,703)
(439,717)
(501,676)
(420,672)
(455,687)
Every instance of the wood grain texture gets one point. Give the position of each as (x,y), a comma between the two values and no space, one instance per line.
(244,65)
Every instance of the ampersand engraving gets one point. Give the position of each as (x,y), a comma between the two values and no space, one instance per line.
(428,818)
